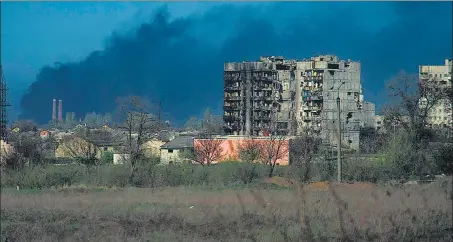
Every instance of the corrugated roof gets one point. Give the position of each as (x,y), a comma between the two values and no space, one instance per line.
(179,143)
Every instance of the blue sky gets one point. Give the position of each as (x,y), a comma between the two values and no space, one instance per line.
(35,34)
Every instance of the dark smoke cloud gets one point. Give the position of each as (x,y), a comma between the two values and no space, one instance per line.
(180,61)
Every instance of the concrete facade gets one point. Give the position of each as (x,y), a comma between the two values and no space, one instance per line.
(259,96)
(291,97)
(441,114)
(170,151)
(322,80)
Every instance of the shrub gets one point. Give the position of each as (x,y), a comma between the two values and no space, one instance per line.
(444,160)
(106,157)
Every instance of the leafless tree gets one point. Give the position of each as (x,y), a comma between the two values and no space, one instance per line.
(208,148)
(29,148)
(273,149)
(250,150)
(414,99)
(303,149)
(139,125)
(249,153)
(26,125)
(275,146)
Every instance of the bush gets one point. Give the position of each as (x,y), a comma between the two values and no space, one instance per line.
(106,157)
(444,160)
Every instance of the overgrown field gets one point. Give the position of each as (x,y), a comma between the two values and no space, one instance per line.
(307,213)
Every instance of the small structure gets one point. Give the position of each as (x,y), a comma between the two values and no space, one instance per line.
(121,159)
(106,127)
(44,134)
(170,151)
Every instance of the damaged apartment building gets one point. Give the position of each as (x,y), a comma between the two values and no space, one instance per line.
(292,97)
(259,96)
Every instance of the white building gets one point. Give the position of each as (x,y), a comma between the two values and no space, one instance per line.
(441,114)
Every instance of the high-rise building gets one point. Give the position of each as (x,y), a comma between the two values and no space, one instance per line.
(321,80)
(291,97)
(258,96)
(440,114)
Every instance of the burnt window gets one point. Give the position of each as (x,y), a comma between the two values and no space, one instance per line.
(282,67)
(333,66)
(170,151)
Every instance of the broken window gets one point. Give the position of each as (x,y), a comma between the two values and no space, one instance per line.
(333,66)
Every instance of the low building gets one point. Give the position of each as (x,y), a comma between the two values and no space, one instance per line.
(5,149)
(230,147)
(170,151)
(76,147)
(152,148)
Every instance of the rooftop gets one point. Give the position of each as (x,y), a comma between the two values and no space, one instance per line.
(179,143)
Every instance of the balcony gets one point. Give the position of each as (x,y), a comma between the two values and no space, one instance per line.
(231,107)
(262,117)
(230,117)
(313,98)
(233,88)
(233,98)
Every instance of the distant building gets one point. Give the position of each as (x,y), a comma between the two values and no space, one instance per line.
(170,151)
(441,114)
(379,123)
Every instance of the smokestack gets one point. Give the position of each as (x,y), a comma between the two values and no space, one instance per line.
(60,110)
(54,110)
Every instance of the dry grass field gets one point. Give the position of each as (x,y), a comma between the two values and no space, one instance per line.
(309,213)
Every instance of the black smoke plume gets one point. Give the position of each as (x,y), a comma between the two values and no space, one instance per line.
(180,61)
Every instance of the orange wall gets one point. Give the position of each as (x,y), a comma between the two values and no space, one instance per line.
(230,150)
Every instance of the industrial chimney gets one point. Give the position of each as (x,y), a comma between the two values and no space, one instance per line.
(54,110)
(60,110)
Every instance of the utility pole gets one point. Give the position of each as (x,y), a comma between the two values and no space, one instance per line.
(339,133)
(160,112)
(339,141)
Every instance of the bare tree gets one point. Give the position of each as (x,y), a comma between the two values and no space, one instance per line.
(302,149)
(29,148)
(273,148)
(139,125)
(26,125)
(250,150)
(414,99)
(249,153)
(207,148)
